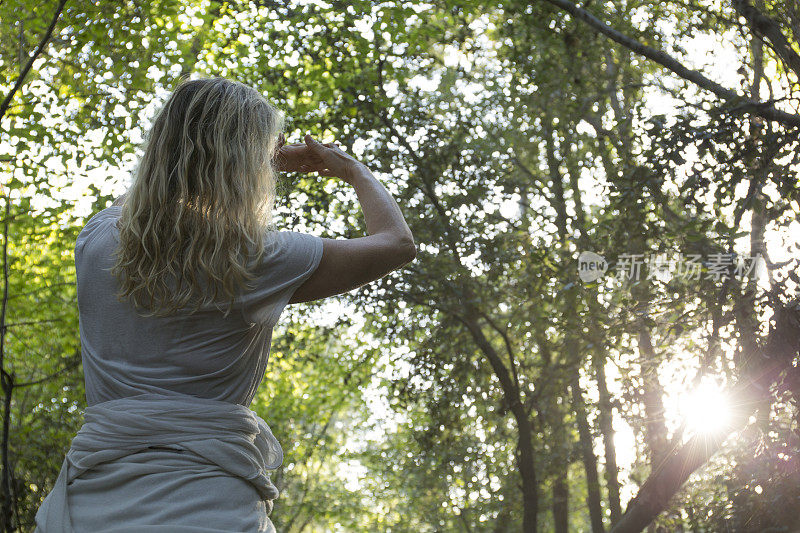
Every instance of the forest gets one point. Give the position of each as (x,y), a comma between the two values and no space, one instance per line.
(601,329)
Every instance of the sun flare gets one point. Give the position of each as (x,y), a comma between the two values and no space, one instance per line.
(706,409)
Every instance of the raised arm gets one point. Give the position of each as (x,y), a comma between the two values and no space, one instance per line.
(349,263)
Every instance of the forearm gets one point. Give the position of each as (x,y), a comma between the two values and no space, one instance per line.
(381,212)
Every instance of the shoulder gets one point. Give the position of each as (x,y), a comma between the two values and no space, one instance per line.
(291,249)
(96,222)
(291,239)
(109,212)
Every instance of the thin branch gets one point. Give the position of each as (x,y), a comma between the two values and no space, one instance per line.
(21,79)
(6,379)
(766,28)
(74,363)
(42,288)
(504,333)
(31,322)
(30,351)
(762,109)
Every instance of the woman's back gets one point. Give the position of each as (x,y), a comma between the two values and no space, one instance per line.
(203,353)
(154,453)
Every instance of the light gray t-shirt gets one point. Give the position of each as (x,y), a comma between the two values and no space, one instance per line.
(204,354)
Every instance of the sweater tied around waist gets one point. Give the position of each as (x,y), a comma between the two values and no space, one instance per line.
(229,435)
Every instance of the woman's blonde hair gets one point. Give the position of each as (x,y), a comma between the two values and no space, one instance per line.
(201,199)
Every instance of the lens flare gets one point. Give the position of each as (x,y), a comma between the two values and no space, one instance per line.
(706,409)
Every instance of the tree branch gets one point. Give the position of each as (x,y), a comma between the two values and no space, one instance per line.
(504,334)
(762,109)
(24,73)
(72,363)
(766,28)
(6,380)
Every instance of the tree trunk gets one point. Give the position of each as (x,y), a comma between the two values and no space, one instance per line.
(560,489)
(654,425)
(573,349)
(7,381)
(745,307)
(606,422)
(525,452)
(605,409)
(527,470)
(588,457)
(561,498)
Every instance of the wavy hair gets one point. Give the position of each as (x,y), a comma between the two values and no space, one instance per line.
(201,199)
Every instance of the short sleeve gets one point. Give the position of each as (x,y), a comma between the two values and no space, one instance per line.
(95,224)
(289,259)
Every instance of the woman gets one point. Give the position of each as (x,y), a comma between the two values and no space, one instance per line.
(180,283)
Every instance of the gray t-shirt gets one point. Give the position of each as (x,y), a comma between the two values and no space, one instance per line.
(204,354)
